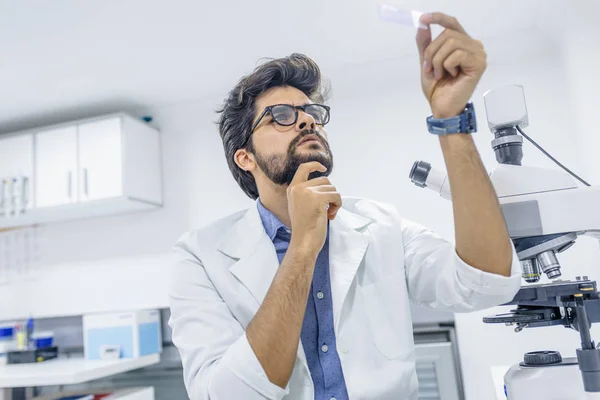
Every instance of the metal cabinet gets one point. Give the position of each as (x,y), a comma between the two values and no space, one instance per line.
(436,372)
(437,363)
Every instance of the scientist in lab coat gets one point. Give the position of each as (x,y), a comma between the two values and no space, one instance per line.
(306,294)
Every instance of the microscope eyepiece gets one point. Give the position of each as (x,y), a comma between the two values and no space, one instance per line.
(419,173)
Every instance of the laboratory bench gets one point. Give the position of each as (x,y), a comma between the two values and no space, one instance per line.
(68,371)
(436,351)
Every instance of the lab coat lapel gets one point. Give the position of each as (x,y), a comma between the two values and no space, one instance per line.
(257,261)
(348,242)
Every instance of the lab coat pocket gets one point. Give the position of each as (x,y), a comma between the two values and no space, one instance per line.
(388,313)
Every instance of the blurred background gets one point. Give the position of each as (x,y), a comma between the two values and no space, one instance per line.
(71,63)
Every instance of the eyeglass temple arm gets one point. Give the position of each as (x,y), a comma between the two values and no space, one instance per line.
(265,111)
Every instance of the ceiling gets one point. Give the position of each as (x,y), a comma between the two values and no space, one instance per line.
(79,57)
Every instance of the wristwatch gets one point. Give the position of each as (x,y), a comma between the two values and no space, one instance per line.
(464,122)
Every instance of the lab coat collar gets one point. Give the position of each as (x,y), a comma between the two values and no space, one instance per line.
(257,261)
(244,236)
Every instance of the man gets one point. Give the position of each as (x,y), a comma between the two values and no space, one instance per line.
(306,295)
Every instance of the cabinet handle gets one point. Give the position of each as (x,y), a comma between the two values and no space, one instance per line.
(85,182)
(70,184)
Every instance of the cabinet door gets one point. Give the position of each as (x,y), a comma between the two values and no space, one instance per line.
(16,159)
(100,159)
(56,166)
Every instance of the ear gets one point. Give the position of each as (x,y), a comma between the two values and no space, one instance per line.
(245,160)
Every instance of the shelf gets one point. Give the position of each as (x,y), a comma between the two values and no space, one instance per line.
(68,371)
(83,210)
(138,393)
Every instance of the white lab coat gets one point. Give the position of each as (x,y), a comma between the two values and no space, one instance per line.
(378,262)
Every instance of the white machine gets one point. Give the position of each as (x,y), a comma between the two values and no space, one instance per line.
(545,212)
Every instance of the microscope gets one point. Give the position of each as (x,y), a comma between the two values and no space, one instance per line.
(545,212)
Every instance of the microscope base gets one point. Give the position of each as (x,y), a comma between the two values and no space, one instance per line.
(558,382)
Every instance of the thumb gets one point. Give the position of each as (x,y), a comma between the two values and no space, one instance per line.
(332,211)
(423,40)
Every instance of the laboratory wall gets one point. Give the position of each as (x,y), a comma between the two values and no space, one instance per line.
(580,44)
(376,133)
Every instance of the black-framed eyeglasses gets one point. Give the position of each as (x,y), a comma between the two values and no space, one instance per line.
(287,115)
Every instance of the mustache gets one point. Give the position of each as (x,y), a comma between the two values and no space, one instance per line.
(304,133)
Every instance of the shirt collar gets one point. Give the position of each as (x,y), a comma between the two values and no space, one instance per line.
(270,222)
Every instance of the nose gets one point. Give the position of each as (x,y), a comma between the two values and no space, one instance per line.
(305,121)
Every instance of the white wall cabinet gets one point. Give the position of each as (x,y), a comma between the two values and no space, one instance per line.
(100,159)
(87,168)
(56,166)
(16,159)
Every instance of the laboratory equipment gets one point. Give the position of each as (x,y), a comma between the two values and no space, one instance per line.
(30,346)
(7,341)
(545,212)
(22,338)
(14,195)
(20,194)
(8,196)
(135,333)
(110,352)
(29,328)
(32,355)
(42,339)
(3,195)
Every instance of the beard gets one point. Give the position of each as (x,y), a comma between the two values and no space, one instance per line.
(281,168)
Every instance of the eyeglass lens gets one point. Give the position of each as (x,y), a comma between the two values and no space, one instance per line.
(286,115)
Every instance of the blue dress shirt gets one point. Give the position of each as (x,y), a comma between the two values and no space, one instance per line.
(318,335)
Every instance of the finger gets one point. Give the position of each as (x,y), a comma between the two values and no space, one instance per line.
(423,40)
(450,46)
(442,19)
(305,169)
(456,60)
(335,203)
(436,44)
(320,181)
(324,189)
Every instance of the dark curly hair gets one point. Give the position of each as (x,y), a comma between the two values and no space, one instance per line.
(237,112)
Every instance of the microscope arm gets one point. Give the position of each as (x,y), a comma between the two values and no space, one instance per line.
(535,201)
(560,211)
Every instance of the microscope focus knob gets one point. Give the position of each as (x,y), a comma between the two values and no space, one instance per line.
(542,358)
